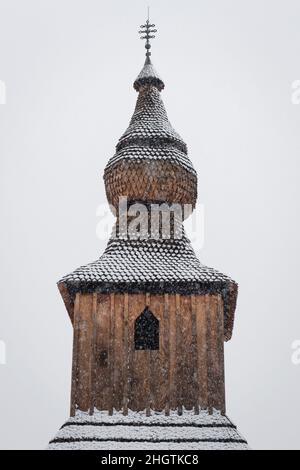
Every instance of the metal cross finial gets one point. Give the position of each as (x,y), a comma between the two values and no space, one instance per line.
(146,32)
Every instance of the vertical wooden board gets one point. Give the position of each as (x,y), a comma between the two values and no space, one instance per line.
(220,340)
(201,327)
(139,366)
(84,315)
(119,360)
(102,325)
(94,377)
(210,384)
(165,346)
(194,369)
(173,352)
(75,369)
(140,391)
(67,300)
(96,326)
(179,353)
(126,355)
(136,359)
(213,363)
(188,400)
(111,356)
(158,359)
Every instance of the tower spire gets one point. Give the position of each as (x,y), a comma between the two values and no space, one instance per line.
(147,32)
(148,75)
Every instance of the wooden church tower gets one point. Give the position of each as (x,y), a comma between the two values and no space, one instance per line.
(149,319)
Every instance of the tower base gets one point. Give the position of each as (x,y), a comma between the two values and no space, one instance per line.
(137,431)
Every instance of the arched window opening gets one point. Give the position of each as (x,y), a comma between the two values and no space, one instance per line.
(146,331)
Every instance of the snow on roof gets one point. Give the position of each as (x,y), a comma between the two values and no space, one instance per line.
(150,121)
(148,261)
(148,76)
(144,152)
(150,134)
(155,266)
(100,431)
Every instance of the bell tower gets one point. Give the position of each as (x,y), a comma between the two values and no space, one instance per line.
(149,319)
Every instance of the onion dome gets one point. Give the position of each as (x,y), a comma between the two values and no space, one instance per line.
(151,162)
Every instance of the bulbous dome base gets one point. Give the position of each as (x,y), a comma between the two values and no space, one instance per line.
(150,181)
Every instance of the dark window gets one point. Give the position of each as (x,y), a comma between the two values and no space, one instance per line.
(146,331)
(103,358)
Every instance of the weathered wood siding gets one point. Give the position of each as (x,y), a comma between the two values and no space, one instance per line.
(187,370)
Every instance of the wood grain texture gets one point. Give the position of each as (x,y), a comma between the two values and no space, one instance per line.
(187,371)
(209,345)
(173,352)
(75,370)
(220,346)
(119,348)
(84,350)
(147,182)
(188,391)
(165,349)
(179,355)
(194,356)
(126,356)
(102,325)
(201,328)
(140,375)
(215,335)
(111,353)
(158,359)
(70,306)
(94,377)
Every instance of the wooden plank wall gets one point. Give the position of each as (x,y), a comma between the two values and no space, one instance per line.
(186,372)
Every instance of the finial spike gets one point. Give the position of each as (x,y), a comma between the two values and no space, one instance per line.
(146,33)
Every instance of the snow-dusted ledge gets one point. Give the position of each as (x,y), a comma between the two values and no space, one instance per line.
(136,431)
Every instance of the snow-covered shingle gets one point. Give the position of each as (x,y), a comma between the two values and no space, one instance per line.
(148,76)
(136,431)
(155,266)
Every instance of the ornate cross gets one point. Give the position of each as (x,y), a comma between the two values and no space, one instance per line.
(147,34)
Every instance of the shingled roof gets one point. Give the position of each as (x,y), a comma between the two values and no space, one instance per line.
(148,76)
(156,432)
(156,266)
(141,152)
(150,121)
